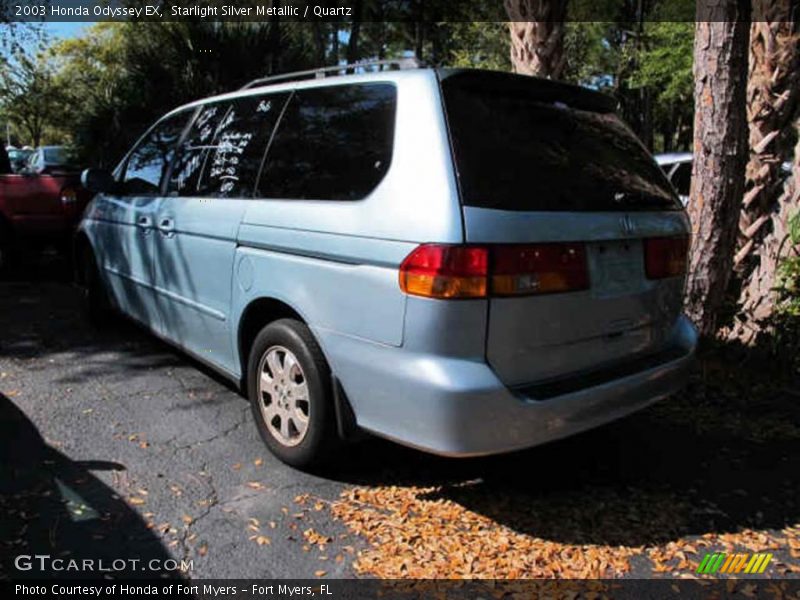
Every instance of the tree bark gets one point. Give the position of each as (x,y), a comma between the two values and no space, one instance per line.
(320,43)
(355,32)
(758,290)
(720,146)
(537,36)
(773,92)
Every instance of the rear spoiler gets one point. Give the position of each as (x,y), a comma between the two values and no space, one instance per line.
(533,88)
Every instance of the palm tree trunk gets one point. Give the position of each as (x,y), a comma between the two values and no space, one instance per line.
(757,302)
(720,146)
(773,93)
(537,36)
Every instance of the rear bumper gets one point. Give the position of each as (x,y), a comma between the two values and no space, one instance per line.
(457,407)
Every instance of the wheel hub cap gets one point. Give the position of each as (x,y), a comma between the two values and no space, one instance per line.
(283,392)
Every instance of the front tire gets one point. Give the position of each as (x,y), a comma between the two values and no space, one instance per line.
(289,387)
(6,249)
(96,303)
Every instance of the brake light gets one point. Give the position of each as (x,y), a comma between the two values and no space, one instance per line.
(442,271)
(665,257)
(539,269)
(451,271)
(68,196)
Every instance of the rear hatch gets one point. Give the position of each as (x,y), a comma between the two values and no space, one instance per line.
(553,180)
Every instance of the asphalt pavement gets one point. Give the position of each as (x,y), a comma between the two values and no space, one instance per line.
(114,445)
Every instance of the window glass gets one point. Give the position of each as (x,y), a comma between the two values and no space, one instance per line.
(333,143)
(149,161)
(222,153)
(237,153)
(193,151)
(515,151)
(682,178)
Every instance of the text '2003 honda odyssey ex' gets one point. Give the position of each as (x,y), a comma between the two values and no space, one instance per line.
(466,262)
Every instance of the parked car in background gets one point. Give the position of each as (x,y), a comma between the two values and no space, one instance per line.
(19,158)
(38,209)
(466,262)
(52,159)
(678,168)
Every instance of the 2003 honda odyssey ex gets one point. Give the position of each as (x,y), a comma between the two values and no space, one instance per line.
(466,262)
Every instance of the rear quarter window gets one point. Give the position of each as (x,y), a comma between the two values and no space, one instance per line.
(332,143)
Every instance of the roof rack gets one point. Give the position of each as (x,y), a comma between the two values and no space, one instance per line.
(399,63)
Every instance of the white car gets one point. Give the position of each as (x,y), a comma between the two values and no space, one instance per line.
(678,168)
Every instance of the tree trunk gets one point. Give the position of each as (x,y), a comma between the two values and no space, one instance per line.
(758,290)
(355,32)
(537,36)
(773,91)
(720,145)
(320,43)
(275,41)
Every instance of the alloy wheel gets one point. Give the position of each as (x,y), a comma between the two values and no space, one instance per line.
(284,398)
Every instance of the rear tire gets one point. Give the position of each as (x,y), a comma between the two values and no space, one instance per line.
(290,392)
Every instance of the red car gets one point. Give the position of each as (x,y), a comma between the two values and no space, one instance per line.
(40,206)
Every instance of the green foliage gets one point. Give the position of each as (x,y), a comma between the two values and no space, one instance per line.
(32,98)
(480,45)
(788,283)
(794,229)
(665,65)
(785,321)
(121,77)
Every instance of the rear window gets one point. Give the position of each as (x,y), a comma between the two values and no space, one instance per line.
(515,151)
(332,143)
(59,157)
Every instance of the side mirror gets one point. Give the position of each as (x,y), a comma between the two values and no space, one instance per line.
(98,181)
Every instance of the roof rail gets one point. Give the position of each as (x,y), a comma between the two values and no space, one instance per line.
(399,63)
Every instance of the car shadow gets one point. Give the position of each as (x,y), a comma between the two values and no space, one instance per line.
(42,317)
(55,507)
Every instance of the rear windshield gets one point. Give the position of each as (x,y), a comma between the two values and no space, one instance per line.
(515,151)
(58,157)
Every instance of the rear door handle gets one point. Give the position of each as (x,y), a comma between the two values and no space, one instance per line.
(144,222)
(167,226)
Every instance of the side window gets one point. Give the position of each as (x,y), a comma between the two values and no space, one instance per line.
(239,145)
(333,143)
(149,161)
(193,152)
(222,153)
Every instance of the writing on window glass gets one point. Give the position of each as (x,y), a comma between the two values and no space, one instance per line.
(227,156)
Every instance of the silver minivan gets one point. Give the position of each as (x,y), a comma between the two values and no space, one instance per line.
(467,262)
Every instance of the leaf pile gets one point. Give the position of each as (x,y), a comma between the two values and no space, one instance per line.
(413,535)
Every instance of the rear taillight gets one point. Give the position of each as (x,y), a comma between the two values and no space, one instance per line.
(449,271)
(666,256)
(539,269)
(442,271)
(68,196)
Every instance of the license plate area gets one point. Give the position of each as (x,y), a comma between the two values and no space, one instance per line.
(616,268)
